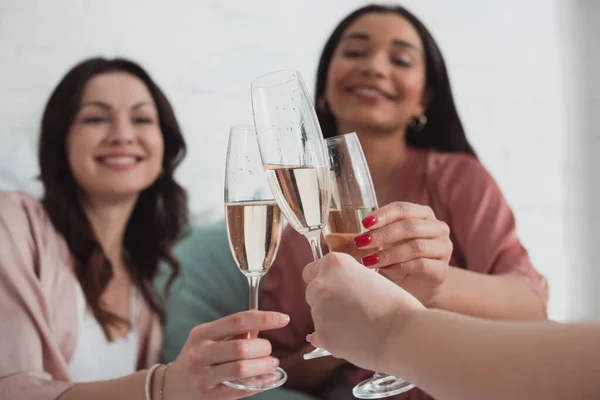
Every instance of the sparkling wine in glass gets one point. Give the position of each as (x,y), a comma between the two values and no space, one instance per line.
(352,198)
(294,155)
(254,227)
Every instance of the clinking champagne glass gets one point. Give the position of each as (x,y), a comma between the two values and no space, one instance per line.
(352,198)
(254,227)
(294,155)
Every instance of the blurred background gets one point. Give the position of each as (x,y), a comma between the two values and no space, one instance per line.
(525,74)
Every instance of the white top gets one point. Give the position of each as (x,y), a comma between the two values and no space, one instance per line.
(95,358)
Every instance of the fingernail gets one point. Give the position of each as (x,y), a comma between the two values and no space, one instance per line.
(362,240)
(370,260)
(369,221)
(275,361)
(309,337)
(283,319)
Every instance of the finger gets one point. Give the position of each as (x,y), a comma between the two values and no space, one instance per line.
(239,323)
(433,270)
(313,339)
(310,272)
(436,249)
(240,369)
(247,335)
(396,211)
(312,292)
(231,350)
(402,230)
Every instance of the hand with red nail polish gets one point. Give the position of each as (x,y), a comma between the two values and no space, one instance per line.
(409,245)
(362,240)
(371,260)
(349,243)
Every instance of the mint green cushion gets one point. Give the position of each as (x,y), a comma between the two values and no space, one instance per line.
(209,287)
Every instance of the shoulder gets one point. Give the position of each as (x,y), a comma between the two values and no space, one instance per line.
(443,162)
(456,171)
(20,204)
(21,214)
(25,224)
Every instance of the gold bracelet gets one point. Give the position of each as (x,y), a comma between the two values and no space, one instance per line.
(162,380)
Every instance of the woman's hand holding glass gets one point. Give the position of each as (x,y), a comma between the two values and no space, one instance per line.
(409,245)
(220,351)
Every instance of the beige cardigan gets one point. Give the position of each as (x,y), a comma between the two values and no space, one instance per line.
(38,318)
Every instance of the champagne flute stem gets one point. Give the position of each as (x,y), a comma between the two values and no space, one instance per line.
(253,282)
(315,245)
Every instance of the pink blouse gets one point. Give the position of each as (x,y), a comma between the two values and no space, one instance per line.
(463,194)
(38,310)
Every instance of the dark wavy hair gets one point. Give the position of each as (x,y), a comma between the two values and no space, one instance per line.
(444,131)
(160,216)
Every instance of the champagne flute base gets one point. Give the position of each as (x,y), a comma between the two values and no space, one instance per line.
(316,353)
(380,386)
(261,382)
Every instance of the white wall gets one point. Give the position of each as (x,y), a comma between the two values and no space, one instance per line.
(523,77)
(580,30)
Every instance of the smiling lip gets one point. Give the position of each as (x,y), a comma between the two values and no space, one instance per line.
(119,161)
(370,92)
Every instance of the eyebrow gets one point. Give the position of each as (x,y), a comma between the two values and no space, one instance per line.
(96,103)
(395,42)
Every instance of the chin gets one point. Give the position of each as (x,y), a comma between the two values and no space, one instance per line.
(372,124)
(370,118)
(119,190)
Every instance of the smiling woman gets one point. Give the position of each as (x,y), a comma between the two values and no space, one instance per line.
(80,316)
(115,145)
(382,75)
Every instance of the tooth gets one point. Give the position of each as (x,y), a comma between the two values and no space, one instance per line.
(369,92)
(119,160)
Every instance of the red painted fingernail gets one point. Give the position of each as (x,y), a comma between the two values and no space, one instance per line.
(362,240)
(370,260)
(369,221)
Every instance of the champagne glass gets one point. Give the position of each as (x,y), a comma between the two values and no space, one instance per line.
(352,198)
(294,155)
(254,227)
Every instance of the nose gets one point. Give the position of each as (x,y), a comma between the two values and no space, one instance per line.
(376,65)
(122,132)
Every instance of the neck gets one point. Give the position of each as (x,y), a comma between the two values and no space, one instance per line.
(109,220)
(383,151)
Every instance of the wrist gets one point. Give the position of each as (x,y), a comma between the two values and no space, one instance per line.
(400,338)
(156,382)
(437,300)
(165,387)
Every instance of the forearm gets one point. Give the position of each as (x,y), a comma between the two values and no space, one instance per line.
(456,357)
(307,375)
(130,387)
(488,296)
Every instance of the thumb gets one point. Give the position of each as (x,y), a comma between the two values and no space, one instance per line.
(315,340)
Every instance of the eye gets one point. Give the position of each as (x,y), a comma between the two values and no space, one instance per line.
(95,120)
(354,53)
(401,62)
(142,120)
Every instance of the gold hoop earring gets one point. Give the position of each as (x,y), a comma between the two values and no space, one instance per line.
(417,124)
